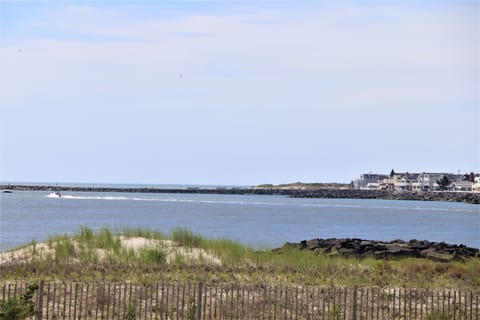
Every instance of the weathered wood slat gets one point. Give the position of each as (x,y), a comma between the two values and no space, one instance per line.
(106,300)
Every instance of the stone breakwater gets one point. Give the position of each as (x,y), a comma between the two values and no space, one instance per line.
(467,197)
(438,251)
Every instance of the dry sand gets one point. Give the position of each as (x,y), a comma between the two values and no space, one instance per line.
(171,249)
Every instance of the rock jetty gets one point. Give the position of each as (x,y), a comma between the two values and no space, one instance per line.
(467,197)
(396,249)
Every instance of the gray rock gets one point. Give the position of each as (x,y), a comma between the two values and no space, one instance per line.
(438,251)
(312,244)
(437,256)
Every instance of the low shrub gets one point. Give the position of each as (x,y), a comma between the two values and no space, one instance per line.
(19,307)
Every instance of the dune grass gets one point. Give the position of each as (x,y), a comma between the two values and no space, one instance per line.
(142,233)
(100,255)
(186,238)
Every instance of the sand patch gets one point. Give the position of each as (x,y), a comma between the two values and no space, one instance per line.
(173,252)
(24,254)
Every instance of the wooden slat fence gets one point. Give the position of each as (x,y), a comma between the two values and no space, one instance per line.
(176,300)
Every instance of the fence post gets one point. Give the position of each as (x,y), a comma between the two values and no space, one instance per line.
(40,300)
(198,312)
(354,303)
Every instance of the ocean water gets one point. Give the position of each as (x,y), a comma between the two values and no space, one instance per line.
(262,221)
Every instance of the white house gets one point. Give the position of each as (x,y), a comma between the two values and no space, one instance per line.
(476,185)
(465,186)
(427,181)
(365,179)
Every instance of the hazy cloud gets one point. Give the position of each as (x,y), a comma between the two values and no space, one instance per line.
(266,89)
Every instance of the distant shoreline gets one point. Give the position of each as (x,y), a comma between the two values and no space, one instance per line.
(466,197)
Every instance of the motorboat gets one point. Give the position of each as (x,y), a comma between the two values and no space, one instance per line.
(55,194)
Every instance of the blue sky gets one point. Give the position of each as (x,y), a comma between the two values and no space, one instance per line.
(236,92)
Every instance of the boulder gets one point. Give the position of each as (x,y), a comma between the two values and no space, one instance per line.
(346,252)
(396,249)
(313,244)
(438,256)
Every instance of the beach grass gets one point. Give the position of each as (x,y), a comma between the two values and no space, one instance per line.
(143,233)
(186,256)
(186,238)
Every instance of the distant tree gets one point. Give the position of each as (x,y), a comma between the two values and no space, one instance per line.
(471,177)
(443,182)
(392,173)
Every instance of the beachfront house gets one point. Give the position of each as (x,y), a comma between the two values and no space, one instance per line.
(418,182)
(403,181)
(461,186)
(427,181)
(476,185)
(365,179)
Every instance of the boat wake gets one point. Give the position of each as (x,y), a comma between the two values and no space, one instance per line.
(54,195)
(256,203)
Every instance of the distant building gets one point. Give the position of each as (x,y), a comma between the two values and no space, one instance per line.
(418,182)
(365,179)
(373,186)
(462,186)
(427,181)
(476,185)
(403,181)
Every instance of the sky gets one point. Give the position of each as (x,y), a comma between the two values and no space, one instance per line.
(236,92)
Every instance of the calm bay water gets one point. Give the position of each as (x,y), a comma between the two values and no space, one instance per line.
(263,221)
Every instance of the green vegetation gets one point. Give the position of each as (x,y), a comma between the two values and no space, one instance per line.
(186,238)
(152,255)
(131,313)
(443,182)
(336,313)
(20,307)
(307,186)
(230,252)
(438,316)
(186,256)
(143,233)
(192,311)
